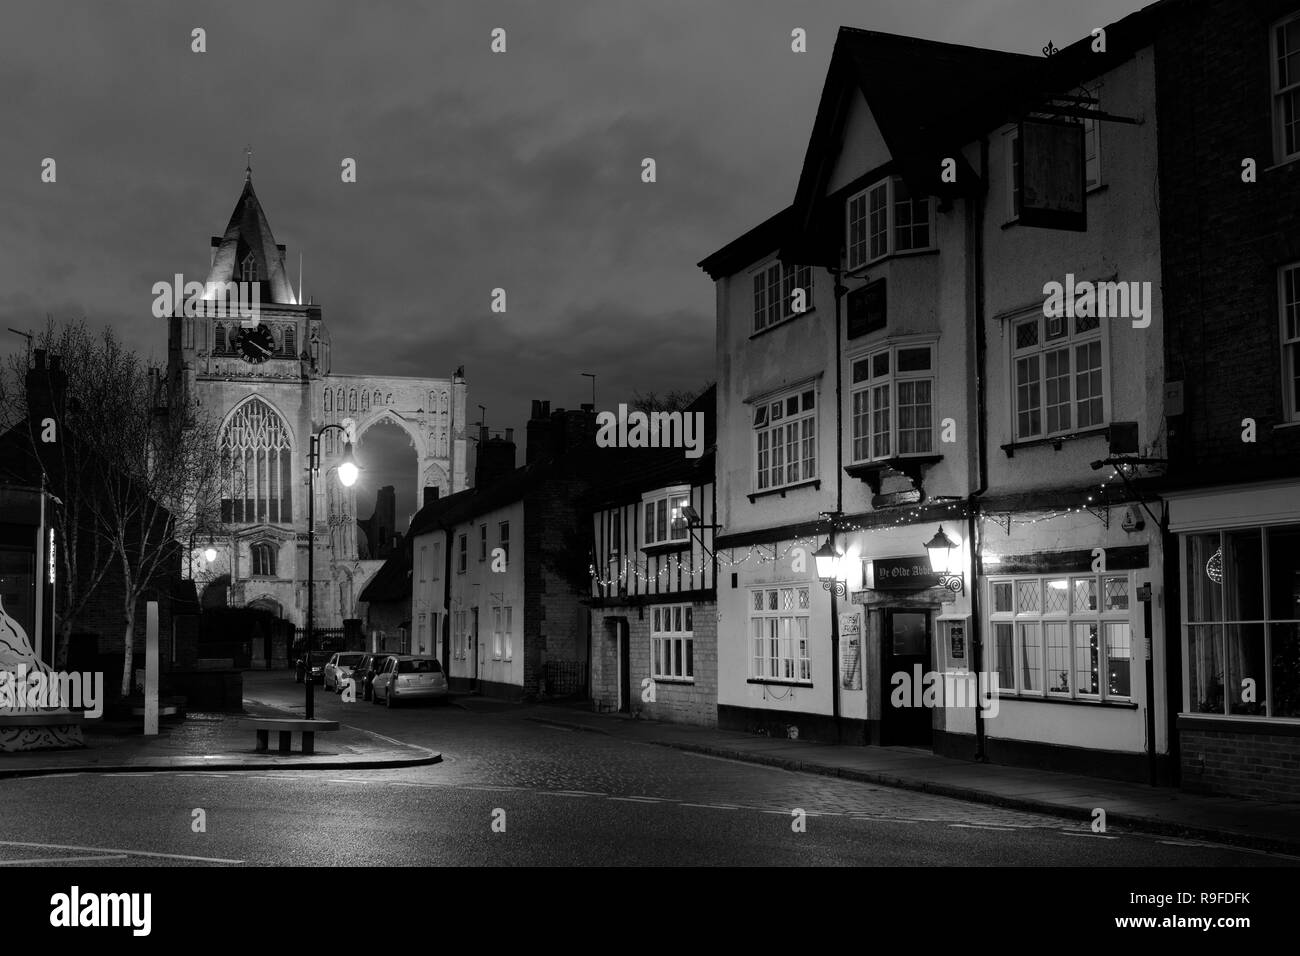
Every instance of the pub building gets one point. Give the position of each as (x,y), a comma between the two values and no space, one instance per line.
(975,469)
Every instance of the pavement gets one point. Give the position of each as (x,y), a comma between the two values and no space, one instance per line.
(210,741)
(1260,825)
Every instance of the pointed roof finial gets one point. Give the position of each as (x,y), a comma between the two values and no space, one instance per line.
(248,167)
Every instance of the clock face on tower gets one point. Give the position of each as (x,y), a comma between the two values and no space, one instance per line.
(255,345)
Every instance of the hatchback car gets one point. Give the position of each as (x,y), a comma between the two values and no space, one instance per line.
(339,669)
(407,677)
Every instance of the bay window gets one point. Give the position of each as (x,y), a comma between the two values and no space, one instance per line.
(893,403)
(886,218)
(785,439)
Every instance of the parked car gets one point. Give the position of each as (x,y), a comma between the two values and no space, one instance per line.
(407,677)
(339,668)
(317,668)
(364,673)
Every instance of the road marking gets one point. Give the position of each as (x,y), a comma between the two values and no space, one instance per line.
(883,819)
(391,740)
(563,730)
(1099,836)
(578,793)
(358,782)
(980,826)
(639,799)
(102,849)
(710,806)
(1208,846)
(49,861)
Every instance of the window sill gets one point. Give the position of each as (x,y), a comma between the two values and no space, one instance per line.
(783,322)
(1295,424)
(1080,701)
(687,681)
(779,683)
(862,270)
(1286,164)
(814,483)
(1056,441)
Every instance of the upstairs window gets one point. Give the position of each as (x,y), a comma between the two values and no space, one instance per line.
(464,549)
(893,403)
(663,521)
(774,288)
(885,219)
(1059,372)
(482,542)
(785,439)
(504,538)
(1289,300)
(1286,88)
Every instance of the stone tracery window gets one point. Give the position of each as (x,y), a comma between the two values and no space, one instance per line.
(256,466)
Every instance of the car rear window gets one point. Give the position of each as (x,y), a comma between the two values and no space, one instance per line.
(419,667)
(350,659)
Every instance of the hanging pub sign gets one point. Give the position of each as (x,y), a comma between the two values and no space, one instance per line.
(1051,185)
(903,574)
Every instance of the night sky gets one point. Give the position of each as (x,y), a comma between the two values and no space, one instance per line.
(475,170)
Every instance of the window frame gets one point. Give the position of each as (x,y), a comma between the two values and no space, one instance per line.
(867,233)
(1267,622)
(1071,618)
(1278,94)
(762,639)
(1069,341)
(503,540)
(787,280)
(462,562)
(1289,344)
(672,642)
(765,422)
(664,503)
(890,379)
(266,550)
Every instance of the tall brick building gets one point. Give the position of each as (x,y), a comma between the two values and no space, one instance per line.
(1228,88)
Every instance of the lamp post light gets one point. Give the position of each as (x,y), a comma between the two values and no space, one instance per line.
(828,558)
(942,560)
(209,553)
(348,473)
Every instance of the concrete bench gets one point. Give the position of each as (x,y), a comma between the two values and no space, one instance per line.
(40,730)
(286,728)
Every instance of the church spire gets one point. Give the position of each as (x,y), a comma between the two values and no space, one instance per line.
(248,167)
(248,250)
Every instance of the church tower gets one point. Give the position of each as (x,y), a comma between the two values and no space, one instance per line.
(265,385)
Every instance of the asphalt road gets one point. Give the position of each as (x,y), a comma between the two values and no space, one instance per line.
(514,792)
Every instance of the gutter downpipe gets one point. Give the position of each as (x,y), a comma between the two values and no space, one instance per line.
(975,223)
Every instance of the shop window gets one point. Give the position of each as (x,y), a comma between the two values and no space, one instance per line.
(1242,630)
(672,643)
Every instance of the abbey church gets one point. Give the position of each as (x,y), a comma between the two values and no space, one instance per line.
(270,385)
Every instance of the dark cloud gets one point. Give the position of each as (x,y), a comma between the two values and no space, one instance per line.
(475,170)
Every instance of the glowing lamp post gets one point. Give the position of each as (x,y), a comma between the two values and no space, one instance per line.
(348,473)
(943,558)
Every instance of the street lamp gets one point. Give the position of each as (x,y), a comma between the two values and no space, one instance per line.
(348,473)
(827,558)
(209,553)
(942,561)
(828,568)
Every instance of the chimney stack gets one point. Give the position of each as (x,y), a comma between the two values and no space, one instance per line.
(496,458)
(539,433)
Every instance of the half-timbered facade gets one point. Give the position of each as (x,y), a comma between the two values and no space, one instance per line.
(653,593)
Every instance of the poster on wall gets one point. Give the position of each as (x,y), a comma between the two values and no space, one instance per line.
(851,651)
(953,634)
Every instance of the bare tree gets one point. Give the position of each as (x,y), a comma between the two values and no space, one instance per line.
(676,400)
(36,402)
(136,471)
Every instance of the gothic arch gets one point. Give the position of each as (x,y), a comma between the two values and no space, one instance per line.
(384,415)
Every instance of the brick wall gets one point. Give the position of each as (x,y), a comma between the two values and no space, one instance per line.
(686,703)
(1223,240)
(1263,766)
(555,550)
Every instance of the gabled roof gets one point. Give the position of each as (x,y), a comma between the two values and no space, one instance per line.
(928,99)
(392,582)
(248,231)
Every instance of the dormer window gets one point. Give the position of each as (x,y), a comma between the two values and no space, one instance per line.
(248,269)
(774,293)
(664,521)
(886,219)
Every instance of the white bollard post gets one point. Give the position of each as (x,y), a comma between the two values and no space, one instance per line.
(151,670)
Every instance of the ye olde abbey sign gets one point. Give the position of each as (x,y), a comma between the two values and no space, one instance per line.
(903,574)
